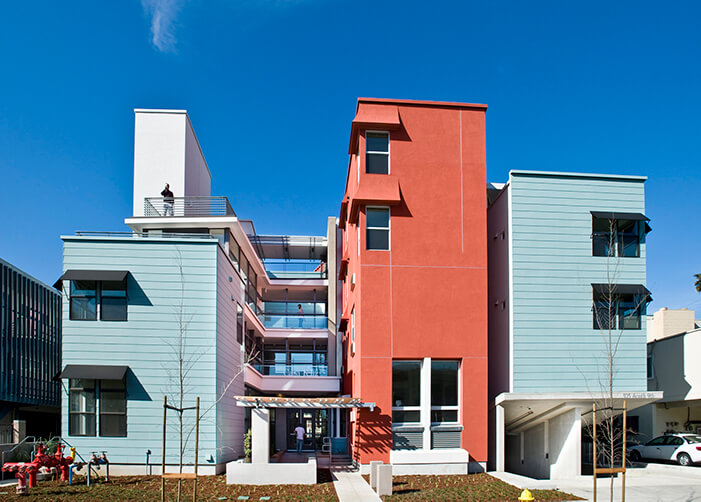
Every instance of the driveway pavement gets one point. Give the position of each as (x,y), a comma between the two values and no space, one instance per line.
(654,482)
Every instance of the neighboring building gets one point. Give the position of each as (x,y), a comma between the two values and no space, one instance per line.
(414,271)
(256,313)
(556,243)
(30,354)
(673,348)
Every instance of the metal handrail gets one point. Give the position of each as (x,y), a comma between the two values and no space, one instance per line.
(25,440)
(298,369)
(187,206)
(146,235)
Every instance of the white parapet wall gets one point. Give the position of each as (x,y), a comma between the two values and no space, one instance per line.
(438,461)
(271,474)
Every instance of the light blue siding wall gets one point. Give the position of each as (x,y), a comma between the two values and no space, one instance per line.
(555,348)
(147,341)
(230,378)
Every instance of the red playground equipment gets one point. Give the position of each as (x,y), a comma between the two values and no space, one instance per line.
(26,472)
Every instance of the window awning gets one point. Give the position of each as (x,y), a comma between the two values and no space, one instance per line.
(612,215)
(301,402)
(94,372)
(623,289)
(94,275)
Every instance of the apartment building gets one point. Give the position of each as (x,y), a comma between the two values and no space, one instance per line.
(673,345)
(566,269)
(414,272)
(30,355)
(192,289)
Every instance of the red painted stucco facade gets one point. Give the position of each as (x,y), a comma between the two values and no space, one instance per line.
(427,295)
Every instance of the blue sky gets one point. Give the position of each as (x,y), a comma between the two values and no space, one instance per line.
(271,85)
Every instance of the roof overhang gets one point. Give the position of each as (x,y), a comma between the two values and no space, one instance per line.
(373,116)
(381,189)
(94,372)
(523,411)
(301,402)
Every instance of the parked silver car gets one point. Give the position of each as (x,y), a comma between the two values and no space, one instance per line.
(682,448)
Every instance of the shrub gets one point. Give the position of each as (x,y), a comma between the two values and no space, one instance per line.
(247,445)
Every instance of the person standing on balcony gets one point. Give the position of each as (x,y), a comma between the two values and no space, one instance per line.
(168,200)
(300,432)
(300,314)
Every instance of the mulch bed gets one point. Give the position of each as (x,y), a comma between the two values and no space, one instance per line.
(473,487)
(148,488)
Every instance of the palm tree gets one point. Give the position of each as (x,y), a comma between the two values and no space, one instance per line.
(698,282)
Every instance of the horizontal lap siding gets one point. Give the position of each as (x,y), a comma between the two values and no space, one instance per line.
(146,341)
(555,347)
(229,417)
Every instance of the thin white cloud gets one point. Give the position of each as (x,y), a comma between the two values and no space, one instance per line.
(162,14)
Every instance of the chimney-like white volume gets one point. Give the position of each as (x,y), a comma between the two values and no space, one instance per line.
(166,150)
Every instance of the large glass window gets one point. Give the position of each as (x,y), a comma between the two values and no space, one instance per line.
(377,152)
(618,311)
(81,407)
(234,251)
(612,237)
(377,224)
(444,391)
(406,391)
(83,303)
(239,324)
(113,301)
(113,408)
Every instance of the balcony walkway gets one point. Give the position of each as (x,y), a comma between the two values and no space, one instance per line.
(350,485)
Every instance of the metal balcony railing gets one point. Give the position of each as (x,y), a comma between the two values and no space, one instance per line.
(277,321)
(301,369)
(292,269)
(188,206)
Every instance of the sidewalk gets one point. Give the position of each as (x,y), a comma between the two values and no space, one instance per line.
(351,487)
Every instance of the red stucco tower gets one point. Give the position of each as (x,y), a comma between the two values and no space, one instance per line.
(414,272)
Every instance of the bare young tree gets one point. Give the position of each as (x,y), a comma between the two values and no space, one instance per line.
(614,312)
(186,357)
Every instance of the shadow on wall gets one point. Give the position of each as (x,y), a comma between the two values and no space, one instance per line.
(136,295)
(669,374)
(135,391)
(375,433)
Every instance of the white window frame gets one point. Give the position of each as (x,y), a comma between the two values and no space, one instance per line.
(374,152)
(410,408)
(353,331)
(455,407)
(389,228)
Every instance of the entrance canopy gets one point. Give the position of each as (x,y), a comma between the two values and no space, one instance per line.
(301,402)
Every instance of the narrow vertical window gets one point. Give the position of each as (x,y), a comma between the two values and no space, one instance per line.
(113,408)
(239,324)
(83,304)
(353,331)
(113,301)
(444,391)
(81,407)
(377,224)
(406,391)
(377,152)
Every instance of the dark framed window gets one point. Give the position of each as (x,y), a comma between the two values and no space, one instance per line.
(444,391)
(650,367)
(83,301)
(111,296)
(239,324)
(113,300)
(377,152)
(406,391)
(618,311)
(113,408)
(377,227)
(617,237)
(234,251)
(81,407)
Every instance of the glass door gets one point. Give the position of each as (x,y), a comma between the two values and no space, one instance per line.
(315,423)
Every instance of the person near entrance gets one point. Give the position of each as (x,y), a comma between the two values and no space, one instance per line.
(300,432)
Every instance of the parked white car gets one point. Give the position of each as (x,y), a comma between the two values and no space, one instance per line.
(682,448)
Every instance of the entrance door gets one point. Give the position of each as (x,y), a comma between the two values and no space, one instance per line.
(315,423)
